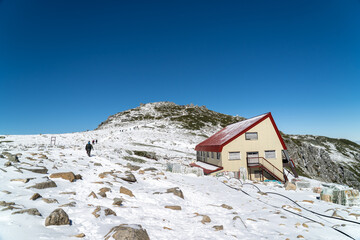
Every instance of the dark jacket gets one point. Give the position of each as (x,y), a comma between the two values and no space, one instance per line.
(88,147)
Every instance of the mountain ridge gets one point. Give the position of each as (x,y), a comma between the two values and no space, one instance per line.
(323,158)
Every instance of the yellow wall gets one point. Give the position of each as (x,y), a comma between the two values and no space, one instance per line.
(267,140)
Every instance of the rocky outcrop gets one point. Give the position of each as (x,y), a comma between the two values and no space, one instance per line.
(314,157)
(127,232)
(48,184)
(189,117)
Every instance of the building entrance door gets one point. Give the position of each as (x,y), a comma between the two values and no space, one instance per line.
(252,158)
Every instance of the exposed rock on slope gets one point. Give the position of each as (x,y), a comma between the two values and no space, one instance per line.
(326,159)
(187,116)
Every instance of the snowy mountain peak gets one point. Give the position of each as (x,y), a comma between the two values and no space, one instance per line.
(191,117)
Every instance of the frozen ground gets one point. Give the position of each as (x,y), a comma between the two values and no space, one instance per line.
(245,214)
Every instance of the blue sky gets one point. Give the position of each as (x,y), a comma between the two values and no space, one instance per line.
(65,66)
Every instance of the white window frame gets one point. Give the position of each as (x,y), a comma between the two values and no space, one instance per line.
(234,156)
(249,134)
(267,151)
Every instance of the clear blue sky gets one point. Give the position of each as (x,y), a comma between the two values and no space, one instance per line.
(65,66)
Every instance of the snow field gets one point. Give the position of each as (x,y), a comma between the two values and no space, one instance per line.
(251,217)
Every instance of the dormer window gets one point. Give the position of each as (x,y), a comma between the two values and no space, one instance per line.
(251,136)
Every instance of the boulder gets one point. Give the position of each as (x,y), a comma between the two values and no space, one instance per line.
(317,190)
(176,191)
(31,211)
(92,194)
(78,177)
(57,217)
(24,180)
(71,193)
(42,170)
(205,219)
(35,196)
(290,186)
(80,235)
(13,158)
(129,177)
(95,212)
(226,206)
(118,201)
(71,204)
(218,227)
(6,204)
(105,189)
(126,191)
(102,194)
(64,175)
(178,208)
(7,164)
(48,184)
(50,200)
(108,212)
(127,232)
(150,169)
(104,174)
(132,167)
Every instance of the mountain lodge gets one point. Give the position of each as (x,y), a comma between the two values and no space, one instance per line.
(252,149)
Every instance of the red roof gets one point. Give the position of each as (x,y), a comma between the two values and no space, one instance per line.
(216,142)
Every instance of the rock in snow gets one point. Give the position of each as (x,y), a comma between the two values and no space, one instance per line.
(48,184)
(127,232)
(57,217)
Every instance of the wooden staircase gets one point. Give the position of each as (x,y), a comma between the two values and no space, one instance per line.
(265,165)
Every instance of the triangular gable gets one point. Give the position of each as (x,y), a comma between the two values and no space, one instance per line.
(216,142)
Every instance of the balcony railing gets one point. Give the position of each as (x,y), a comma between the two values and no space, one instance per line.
(267,166)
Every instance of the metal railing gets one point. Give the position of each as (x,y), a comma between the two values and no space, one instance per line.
(267,166)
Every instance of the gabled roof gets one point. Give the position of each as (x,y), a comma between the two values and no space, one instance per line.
(216,142)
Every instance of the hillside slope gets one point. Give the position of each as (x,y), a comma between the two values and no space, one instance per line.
(322,158)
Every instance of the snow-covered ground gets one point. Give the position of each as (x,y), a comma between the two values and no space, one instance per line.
(245,214)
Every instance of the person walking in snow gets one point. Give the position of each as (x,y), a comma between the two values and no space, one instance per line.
(88,148)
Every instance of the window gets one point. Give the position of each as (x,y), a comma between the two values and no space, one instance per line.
(207,154)
(218,155)
(212,154)
(234,155)
(251,136)
(270,154)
